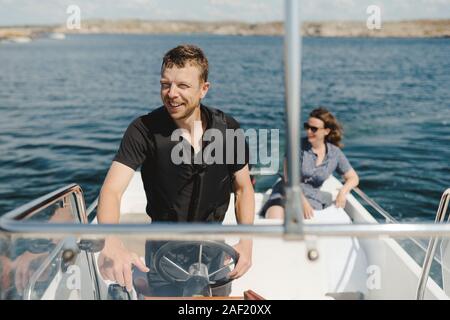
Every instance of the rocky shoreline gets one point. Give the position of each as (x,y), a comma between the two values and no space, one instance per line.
(401,29)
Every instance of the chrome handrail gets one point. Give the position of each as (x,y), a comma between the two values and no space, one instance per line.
(192,230)
(9,223)
(91,208)
(293,221)
(388,218)
(29,209)
(37,274)
(386,215)
(375,205)
(440,218)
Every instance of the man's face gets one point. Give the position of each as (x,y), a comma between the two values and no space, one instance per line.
(182,90)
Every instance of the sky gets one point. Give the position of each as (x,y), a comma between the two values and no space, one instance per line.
(20,12)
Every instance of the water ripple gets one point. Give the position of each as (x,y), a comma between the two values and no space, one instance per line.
(64,106)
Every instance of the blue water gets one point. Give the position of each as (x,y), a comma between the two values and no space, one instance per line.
(64,106)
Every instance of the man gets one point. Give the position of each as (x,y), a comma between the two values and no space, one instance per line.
(192,192)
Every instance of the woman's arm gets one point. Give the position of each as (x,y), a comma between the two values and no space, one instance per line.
(351,181)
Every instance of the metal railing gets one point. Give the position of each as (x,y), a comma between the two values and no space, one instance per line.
(191,230)
(388,218)
(28,292)
(10,222)
(375,205)
(13,220)
(440,218)
(292,70)
(27,210)
(90,210)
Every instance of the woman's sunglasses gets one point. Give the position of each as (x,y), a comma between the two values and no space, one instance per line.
(306,126)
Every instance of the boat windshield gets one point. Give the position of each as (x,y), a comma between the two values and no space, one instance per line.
(68,266)
(49,250)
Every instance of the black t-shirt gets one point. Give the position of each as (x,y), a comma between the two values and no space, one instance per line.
(137,143)
(138,148)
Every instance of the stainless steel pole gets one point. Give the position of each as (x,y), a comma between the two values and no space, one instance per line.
(292,65)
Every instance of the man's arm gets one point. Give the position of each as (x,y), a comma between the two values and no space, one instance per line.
(115,184)
(245,214)
(245,197)
(115,261)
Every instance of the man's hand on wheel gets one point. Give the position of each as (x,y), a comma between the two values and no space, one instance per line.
(115,263)
(244,248)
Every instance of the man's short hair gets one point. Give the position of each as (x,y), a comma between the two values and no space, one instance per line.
(186,53)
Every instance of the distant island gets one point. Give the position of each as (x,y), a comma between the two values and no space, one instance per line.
(402,29)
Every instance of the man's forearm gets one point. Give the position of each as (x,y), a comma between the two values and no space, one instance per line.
(245,205)
(108,210)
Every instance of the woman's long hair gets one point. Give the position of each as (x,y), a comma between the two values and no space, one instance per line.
(336,131)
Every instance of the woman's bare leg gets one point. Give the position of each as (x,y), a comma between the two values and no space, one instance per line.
(275,212)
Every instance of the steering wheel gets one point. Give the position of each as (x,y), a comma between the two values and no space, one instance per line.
(179,261)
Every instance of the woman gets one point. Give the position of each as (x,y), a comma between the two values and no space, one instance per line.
(320,156)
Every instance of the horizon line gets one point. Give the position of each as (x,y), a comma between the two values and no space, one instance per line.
(50,24)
